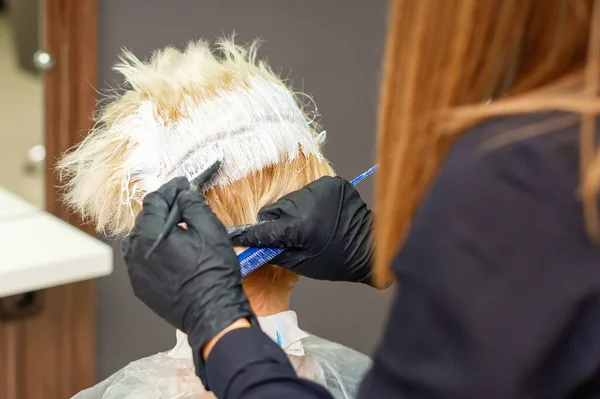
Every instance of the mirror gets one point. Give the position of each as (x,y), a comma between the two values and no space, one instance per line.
(22,151)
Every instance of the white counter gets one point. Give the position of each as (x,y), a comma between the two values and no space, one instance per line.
(39,250)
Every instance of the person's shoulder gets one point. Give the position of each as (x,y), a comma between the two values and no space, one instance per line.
(506,195)
(336,356)
(546,136)
(540,151)
(157,376)
(316,344)
(339,368)
(512,171)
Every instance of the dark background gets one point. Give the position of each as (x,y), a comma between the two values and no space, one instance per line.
(331,50)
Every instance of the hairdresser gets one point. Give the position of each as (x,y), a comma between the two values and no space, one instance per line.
(487,217)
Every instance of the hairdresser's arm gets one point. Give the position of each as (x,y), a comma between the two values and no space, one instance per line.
(244,363)
(497,283)
(193,281)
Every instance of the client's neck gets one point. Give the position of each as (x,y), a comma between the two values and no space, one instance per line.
(266,297)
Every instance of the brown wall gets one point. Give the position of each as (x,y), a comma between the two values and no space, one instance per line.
(52,354)
(330,49)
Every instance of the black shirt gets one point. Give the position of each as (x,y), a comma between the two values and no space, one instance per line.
(498,292)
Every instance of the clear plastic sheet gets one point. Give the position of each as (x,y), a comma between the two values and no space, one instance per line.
(336,367)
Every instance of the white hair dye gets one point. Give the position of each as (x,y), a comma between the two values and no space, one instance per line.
(184,110)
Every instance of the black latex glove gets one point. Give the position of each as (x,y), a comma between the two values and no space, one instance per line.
(193,279)
(326,227)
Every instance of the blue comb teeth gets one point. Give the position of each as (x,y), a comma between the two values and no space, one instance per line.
(253,258)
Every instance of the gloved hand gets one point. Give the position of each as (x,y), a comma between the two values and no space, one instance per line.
(192,280)
(325,227)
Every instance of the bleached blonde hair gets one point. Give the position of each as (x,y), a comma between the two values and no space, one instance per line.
(182,111)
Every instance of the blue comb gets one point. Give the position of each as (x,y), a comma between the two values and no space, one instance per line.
(253,258)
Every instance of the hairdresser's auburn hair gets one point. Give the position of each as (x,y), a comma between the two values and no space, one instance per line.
(106,177)
(445,59)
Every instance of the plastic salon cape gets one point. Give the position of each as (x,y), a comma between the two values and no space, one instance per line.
(171,375)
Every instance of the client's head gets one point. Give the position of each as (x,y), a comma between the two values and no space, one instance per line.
(182,111)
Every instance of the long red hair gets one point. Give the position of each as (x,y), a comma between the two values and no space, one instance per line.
(446,59)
